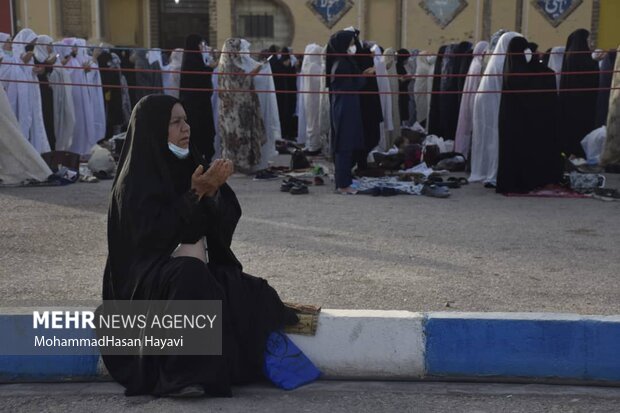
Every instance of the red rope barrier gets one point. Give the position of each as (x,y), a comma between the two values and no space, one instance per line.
(362,75)
(362,92)
(300,54)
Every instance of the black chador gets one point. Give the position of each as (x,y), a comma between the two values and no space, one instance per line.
(529,151)
(152,211)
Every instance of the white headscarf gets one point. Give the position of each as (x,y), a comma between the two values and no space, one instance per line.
(9,72)
(3,39)
(154,55)
(423,84)
(386,99)
(176,59)
(555,62)
(21,40)
(310,102)
(462,140)
(172,81)
(82,52)
(389,60)
(268,103)
(64,110)
(40,50)
(18,159)
(485,136)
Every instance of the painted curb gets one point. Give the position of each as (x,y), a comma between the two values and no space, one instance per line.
(367,344)
(401,345)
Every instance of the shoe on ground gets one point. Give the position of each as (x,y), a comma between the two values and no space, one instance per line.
(265,176)
(286,186)
(299,190)
(435,191)
(188,392)
(308,152)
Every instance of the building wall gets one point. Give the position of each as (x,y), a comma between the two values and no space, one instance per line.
(392,23)
(382,22)
(310,29)
(424,33)
(609,28)
(537,29)
(128,30)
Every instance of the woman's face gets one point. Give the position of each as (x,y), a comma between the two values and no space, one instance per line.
(178,128)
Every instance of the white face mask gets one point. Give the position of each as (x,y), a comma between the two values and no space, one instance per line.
(352,49)
(181,153)
(528,55)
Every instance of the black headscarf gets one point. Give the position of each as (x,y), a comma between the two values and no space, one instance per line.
(111,80)
(147,217)
(339,43)
(193,61)
(578,108)
(198,102)
(434,117)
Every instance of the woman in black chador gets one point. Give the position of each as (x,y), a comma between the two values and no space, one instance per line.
(578,108)
(197,103)
(529,150)
(166,207)
(370,104)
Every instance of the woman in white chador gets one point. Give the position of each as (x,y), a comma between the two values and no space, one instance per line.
(172,81)
(462,140)
(29,109)
(19,161)
(84,137)
(310,83)
(423,84)
(268,104)
(485,135)
(387,126)
(325,122)
(555,62)
(389,60)
(93,78)
(9,71)
(64,116)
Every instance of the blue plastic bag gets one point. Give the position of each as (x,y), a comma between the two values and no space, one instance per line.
(286,365)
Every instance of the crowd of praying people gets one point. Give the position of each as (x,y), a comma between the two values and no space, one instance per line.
(505,105)
(195,117)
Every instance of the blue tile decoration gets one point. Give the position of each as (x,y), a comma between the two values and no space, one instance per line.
(556,11)
(443,11)
(330,11)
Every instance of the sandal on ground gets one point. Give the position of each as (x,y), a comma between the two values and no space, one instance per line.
(460,181)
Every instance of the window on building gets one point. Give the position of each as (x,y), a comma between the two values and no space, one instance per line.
(257,26)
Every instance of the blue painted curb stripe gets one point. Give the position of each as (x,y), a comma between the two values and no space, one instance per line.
(48,368)
(465,345)
(581,349)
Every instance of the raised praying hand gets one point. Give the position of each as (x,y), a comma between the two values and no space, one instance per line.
(207,183)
